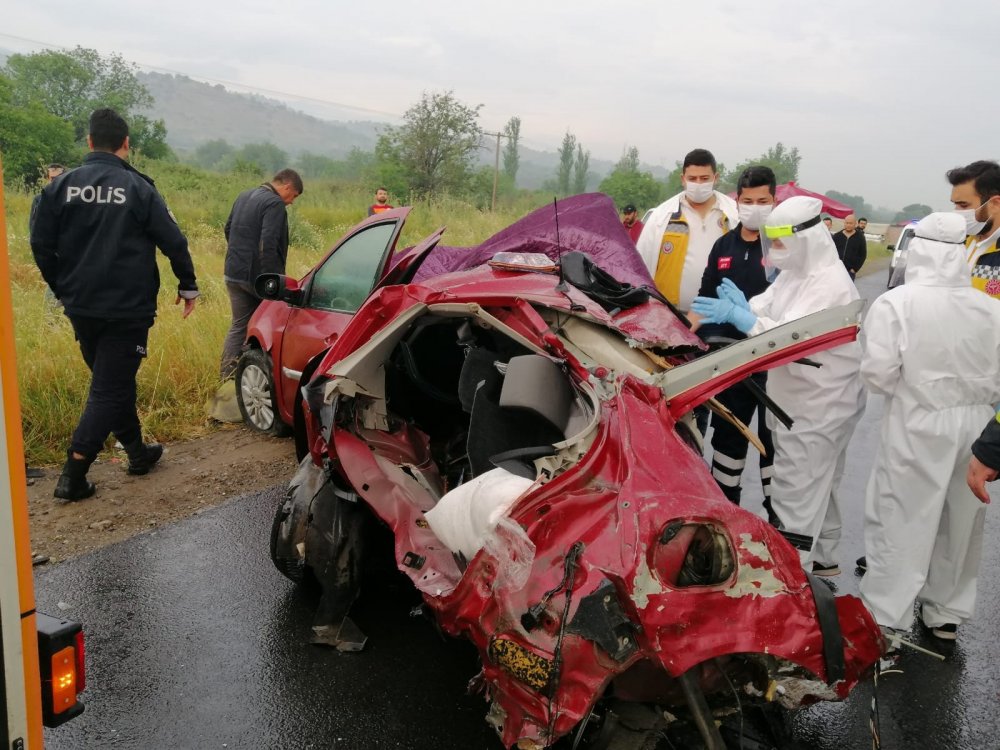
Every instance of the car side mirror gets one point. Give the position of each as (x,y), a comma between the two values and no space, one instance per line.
(275,286)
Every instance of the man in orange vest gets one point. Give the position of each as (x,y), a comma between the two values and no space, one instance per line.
(381,202)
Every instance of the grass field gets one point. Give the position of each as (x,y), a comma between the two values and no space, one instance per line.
(181,372)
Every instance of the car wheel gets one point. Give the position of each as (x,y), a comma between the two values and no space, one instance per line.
(255,394)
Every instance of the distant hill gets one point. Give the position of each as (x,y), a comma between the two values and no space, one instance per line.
(196,112)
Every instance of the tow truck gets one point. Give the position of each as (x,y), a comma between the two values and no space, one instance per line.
(42,670)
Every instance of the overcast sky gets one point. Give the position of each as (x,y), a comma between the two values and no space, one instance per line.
(880,97)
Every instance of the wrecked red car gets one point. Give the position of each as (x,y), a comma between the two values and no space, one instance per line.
(523,426)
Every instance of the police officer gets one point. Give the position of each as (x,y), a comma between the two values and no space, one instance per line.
(94,240)
(738,257)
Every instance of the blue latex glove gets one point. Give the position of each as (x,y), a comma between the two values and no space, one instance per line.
(712,310)
(728,290)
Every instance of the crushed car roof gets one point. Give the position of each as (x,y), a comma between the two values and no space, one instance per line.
(585,223)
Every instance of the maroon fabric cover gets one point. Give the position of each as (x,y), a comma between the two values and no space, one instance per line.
(588,224)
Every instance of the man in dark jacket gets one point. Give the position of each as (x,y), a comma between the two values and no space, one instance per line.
(738,257)
(851,245)
(257,233)
(94,239)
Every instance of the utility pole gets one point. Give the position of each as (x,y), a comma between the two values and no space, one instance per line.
(496,167)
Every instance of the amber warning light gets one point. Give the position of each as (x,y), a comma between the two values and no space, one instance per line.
(61,658)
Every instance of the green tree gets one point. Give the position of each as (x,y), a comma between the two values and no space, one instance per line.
(860,205)
(784,162)
(31,137)
(626,184)
(434,149)
(629,161)
(511,149)
(268,157)
(674,184)
(210,154)
(567,157)
(353,167)
(580,166)
(149,138)
(913,211)
(70,85)
(357,164)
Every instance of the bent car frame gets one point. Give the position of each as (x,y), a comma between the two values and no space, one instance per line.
(530,444)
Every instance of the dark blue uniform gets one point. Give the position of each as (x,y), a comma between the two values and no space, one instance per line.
(734,258)
(94,238)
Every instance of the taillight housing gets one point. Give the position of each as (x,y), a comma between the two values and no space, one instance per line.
(692,553)
(61,660)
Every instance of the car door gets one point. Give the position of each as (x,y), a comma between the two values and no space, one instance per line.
(333,291)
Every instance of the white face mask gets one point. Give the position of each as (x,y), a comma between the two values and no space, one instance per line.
(699,192)
(753,216)
(778,256)
(972,227)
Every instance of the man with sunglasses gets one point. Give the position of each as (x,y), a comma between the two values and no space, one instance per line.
(825,402)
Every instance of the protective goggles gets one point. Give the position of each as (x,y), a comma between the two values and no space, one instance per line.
(787,230)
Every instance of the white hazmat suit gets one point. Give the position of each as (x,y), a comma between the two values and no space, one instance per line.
(825,402)
(932,348)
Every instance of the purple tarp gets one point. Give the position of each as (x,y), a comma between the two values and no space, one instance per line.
(588,224)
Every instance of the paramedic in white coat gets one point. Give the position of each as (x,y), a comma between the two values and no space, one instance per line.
(932,347)
(681,231)
(825,402)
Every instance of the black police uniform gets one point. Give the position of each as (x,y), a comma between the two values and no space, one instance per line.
(740,261)
(94,239)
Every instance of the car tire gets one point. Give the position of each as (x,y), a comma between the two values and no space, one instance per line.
(255,394)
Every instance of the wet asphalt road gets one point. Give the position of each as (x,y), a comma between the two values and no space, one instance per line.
(195,641)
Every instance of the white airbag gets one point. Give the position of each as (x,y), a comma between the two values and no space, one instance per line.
(466,516)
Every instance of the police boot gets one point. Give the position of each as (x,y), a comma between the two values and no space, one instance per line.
(142,456)
(73,483)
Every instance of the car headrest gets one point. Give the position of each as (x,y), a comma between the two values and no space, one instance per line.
(537,384)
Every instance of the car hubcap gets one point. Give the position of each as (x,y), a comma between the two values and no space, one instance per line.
(255,388)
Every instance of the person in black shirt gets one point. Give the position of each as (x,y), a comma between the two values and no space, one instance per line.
(851,245)
(738,256)
(94,239)
(256,242)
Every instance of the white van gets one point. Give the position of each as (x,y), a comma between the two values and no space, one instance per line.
(897,264)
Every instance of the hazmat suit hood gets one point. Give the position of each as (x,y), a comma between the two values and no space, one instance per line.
(936,255)
(805,251)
